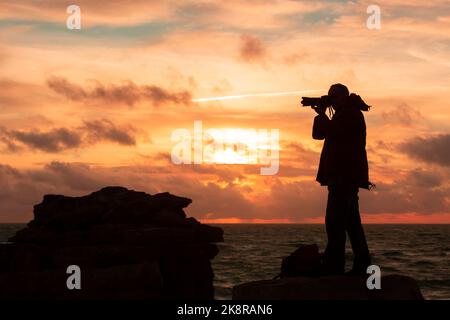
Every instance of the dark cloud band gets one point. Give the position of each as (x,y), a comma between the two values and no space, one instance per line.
(433,149)
(127,93)
(60,139)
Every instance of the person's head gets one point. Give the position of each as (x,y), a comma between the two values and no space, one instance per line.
(338,94)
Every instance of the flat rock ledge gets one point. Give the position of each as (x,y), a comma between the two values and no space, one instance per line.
(393,287)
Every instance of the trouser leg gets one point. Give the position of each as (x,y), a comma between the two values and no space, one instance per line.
(334,256)
(356,234)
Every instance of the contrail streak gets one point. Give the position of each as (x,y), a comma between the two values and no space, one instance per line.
(251,95)
(291,93)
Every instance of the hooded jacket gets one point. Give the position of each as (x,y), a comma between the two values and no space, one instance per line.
(343,160)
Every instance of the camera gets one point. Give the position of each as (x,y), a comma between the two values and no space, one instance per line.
(323,101)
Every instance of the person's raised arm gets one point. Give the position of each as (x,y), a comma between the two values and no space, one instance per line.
(321,125)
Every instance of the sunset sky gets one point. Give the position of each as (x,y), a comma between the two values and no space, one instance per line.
(83,109)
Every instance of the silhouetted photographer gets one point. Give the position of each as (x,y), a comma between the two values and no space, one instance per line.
(343,168)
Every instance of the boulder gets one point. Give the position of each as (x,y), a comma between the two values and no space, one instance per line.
(128,244)
(124,234)
(393,287)
(110,205)
(137,281)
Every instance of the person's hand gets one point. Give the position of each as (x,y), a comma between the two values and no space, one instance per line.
(319,110)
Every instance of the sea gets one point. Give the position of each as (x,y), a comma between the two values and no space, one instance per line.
(254,252)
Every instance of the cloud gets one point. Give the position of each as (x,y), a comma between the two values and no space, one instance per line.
(424,179)
(402,115)
(16,94)
(26,187)
(93,13)
(223,86)
(22,188)
(60,139)
(399,197)
(53,140)
(214,194)
(326,16)
(293,200)
(76,176)
(252,49)
(64,87)
(432,149)
(126,93)
(104,129)
(9,144)
(295,58)
(380,151)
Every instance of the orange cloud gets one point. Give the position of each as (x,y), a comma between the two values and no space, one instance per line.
(252,49)
(59,139)
(127,93)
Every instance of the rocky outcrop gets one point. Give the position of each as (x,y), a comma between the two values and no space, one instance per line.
(128,245)
(393,287)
